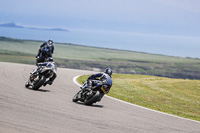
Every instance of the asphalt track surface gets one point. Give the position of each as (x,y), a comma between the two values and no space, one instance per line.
(51,110)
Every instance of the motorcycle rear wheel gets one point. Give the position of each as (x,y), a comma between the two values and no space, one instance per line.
(93,99)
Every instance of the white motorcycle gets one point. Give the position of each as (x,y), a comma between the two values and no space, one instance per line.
(44,71)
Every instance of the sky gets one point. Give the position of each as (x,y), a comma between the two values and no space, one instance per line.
(175,18)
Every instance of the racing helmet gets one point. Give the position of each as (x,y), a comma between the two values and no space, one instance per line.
(50,41)
(50,59)
(108,71)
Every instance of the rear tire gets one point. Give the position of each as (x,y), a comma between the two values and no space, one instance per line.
(39,83)
(92,100)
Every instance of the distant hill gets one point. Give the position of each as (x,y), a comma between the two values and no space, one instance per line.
(13,25)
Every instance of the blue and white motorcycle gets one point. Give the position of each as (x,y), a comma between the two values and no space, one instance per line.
(41,74)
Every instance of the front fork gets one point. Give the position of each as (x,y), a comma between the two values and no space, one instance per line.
(33,78)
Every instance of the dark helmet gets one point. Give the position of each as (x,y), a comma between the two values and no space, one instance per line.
(50,41)
(108,71)
(50,59)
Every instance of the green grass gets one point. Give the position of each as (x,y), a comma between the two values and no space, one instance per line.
(174,96)
(16,57)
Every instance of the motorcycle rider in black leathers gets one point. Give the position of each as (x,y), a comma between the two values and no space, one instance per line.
(101,77)
(46,50)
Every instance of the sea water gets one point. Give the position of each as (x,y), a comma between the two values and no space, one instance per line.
(180,46)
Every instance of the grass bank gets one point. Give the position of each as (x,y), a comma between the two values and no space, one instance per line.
(91,58)
(179,97)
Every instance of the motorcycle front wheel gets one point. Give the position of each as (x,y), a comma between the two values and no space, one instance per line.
(39,83)
(75,98)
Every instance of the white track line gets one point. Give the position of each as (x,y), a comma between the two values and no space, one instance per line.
(74,80)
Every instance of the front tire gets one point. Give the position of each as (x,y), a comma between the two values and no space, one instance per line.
(27,85)
(75,98)
(37,85)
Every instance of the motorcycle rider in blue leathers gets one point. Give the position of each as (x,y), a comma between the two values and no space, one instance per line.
(103,77)
(46,50)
